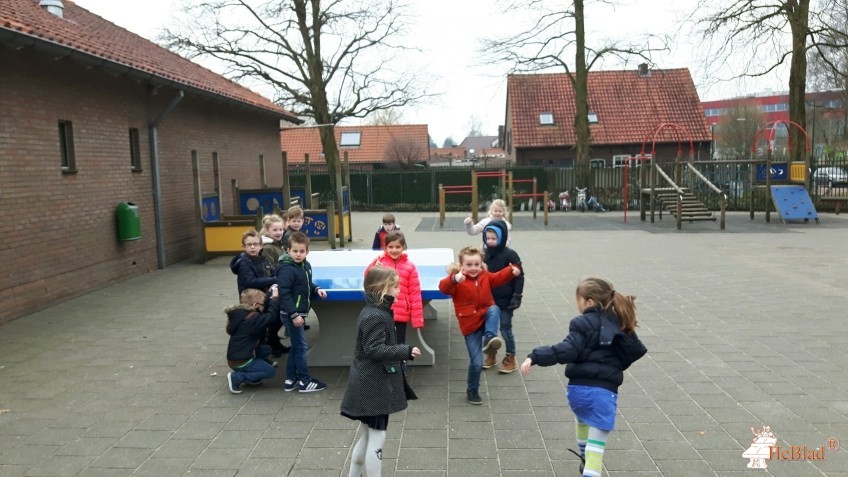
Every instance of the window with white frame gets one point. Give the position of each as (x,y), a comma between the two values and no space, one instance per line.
(546,119)
(350,139)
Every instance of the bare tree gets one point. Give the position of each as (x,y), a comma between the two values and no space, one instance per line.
(771,33)
(385,117)
(735,132)
(827,65)
(557,34)
(475,126)
(405,152)
(325,60)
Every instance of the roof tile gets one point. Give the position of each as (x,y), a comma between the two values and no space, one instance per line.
(629,107)
(298,141)
(82,31)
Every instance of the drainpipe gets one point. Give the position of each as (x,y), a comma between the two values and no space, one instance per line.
(157,183)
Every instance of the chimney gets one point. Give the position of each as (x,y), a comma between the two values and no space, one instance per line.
(53,6)
(643,70)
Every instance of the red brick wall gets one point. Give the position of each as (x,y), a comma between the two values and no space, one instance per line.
(58,230)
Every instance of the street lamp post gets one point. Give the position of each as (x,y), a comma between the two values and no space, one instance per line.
(712,142)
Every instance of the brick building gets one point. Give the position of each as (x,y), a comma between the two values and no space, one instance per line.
(87,110)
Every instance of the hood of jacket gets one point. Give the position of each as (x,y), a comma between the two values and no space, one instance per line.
(234,263)
(499,227)
(287,260)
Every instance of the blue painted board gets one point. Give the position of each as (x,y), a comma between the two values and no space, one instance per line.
(341,272)
(793,202)
(779,172)
(211,208)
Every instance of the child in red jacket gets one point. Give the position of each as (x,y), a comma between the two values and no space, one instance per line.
(470,286)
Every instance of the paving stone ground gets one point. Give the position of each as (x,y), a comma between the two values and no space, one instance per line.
(745,328)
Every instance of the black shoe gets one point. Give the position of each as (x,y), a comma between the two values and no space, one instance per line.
(306,327)
(283,349)
(473,397)
(582,459)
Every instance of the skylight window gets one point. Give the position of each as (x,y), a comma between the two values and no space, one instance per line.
(350,139)
(593,117)
(546,119)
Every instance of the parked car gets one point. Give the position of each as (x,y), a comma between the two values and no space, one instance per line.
(830,176)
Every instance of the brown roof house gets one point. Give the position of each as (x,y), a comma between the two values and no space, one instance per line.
(93,117)
(624,107)
(368,147)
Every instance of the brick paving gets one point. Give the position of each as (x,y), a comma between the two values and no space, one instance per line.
(744,327)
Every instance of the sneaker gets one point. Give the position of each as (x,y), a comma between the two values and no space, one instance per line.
(312,386)
(492,343)
(582,459)
(290,385)
(234,388)
(474,397)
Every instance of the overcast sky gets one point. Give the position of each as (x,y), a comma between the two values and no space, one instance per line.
(448,32)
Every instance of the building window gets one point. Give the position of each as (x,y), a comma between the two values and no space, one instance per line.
(593,117)
(66,144)
(546,119)
(350,139)
(135,150)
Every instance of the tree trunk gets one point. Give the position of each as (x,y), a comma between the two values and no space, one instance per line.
(798,20)
(581,94)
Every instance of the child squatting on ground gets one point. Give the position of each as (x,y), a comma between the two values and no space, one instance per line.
(507,296)
(294,278)
(600,345)
(376,386)
(470,286)
(387,226)
(247,324)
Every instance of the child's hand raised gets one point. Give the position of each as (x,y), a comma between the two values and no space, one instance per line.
(468,219)
(415,352)
(525,367)
(274,292)
(459,277)
(322,293)
(515,270)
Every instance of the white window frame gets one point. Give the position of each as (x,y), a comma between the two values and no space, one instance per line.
(546,119)
(350,139)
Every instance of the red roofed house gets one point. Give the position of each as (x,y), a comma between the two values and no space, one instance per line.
(368,147)
(89,110)
(624,107)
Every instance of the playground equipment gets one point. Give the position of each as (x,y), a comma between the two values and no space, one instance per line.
(792,202)
(507,182)
(221,235)
(673,195)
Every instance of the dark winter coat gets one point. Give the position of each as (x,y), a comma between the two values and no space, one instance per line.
(380,238)
(252,272)
(375,384)
(247,328)
(272,249)
(499,257)
(596,350)
(295,286)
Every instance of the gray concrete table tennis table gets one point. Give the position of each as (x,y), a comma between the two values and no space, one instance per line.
(340,273)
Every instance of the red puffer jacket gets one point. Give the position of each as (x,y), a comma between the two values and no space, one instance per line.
(407,306)
(473,296)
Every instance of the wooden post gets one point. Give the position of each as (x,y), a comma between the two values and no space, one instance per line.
(340,201)
(286,183)
(349,194)
(216,177)
(474,201)
(198,206)
(535,199)
(234,188)
(262,179)
(441,206)
(546,198)
(768,185)
(509,187)
(308,197)
(331,225)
